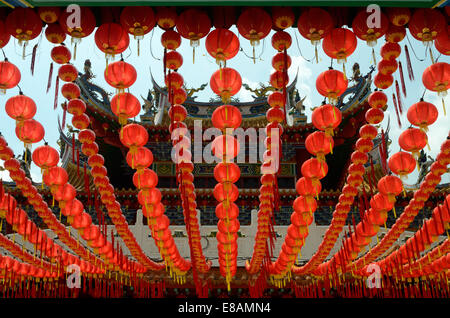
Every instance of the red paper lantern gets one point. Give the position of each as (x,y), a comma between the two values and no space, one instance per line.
(133,136)
(171,40)
(141,159)
(45,157)
(278,62)
(307,188)
(96,161)
(226,116)
(20,107)
(279,80)
(193,24)
(364,145)
(177,113)
(395,34)
(399,16)
(23,24)
(326,118)
(4,35)
(166,18)
(387,67)
(436,78)
(390,51)
(339,44)
(226,82)
(281,40)
(61,54)
(86,136)
(377,99)
(81,121)
(145,179)
(70,91)
(138,20)
(383,81)
(442,42)
(67,73)
(367,33)
(254,24)
(426,24)
(174,80)
(390,186)
(76,107)
(30,131)
(89,149)
(368,132)
(314,24)
(178,96)
(331,84)
(276,99)
(314,169)
(282,17)
(226,191)
(120,75)
(222,44)
(422,114)
(9,76)
(173,60)
(49,14)
(225,146)
(319,144)
(55,176)
(77,32)
(413,140)
(275,115)
(112,39)
(55,34)
(374,116)
(65,193)
(124,106)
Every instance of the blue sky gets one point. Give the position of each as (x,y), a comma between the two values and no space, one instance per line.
(200,72)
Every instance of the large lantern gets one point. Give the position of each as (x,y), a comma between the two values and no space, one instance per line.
(120,75)
(422,114)
(9,76)
(55,34)
(226,82)
(326,118)
(112,39)
(138,20)
(426,24)
(4,35)
(193,24)
(314,24)
(339,44)
(124,106)
(222,44)
(331,84)
(369,33)
(20,108)
(23,24)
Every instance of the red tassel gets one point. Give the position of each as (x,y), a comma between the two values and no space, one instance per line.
(402,78)
(50,74)
(409,65)
(64,115)
(33,59)
(73,148)
(396,111)
(399,97)
(384,154)
(372,175)
(284,86)
(2,190)
(56,93)
(78,162)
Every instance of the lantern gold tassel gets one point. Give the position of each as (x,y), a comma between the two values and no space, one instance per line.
(443,107)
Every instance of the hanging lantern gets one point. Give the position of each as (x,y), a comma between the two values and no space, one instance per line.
(171,40)
(23,24)
(254,24)
(141,159)
(20,107)
(86,27)
(30,131)
(81,121)
(339,44)
(133,136)
(377,99)
(364,145)
(422,114)
(275,115)
(326,118)
(120,75)
(67,73)
(166,17)
(4,35)
(281,40)
(112,39)
(307,188)
(368,132)
(45,157)
(395,34)
(436,77)
(70,91)
(331,84)
(390,51)
(173,60)
(178,96)
(177,113)
(86,136)
(413,140)
(402,163)
(383,81)
(226,116)
(225,146)
(125,106)
(9,76)
(399,16)
(49,14)
(61,54)
(193,24)
(390,186)
(442,42)
(226,82)
(426,24)
(319,144)
(366,33)
(279,79)
(282,17)
(174,80)
(145,180)
(278,62)
(222,44)
(314,169)
(276,99)
(374,116)
(76,107)
(387,67)
(138,20)
(55,34)
(314,23)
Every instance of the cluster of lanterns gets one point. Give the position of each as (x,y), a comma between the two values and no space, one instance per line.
(184,166)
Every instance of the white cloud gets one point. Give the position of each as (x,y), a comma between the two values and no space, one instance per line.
(4,175)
